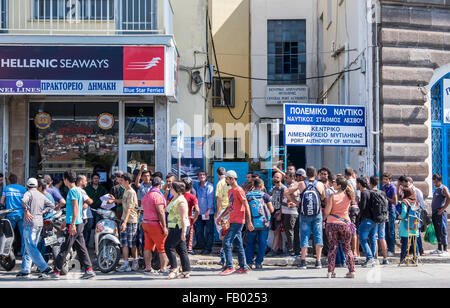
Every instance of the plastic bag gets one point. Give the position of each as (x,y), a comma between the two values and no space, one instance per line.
(430,235)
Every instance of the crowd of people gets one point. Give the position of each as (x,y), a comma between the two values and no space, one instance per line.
(338,215)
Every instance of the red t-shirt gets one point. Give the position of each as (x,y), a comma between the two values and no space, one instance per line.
(192,201)
(236,196)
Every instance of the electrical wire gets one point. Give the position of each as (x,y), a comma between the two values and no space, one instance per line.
(220,77)
(289,80)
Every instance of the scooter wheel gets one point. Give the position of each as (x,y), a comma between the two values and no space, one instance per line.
(9,263)
(109,257)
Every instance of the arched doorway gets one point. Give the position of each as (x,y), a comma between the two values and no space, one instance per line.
(440,127)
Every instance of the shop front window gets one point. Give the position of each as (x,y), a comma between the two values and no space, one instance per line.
(79,136)
(139,124)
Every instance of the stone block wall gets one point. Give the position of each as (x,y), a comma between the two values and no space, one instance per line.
(414,40)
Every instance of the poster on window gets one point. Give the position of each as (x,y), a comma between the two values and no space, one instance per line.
(192,159)
(446,99)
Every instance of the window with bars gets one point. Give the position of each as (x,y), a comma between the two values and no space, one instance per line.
(138,15)
(440,133)
(74,9)
(286,42)
(226,97)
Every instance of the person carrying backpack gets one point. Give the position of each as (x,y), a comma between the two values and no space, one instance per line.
(260,209)
(408,229)
(374,214)
(312,193)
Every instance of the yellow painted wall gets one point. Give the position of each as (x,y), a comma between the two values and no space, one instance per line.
(230,21)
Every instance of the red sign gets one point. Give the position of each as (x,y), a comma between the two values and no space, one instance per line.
(143,67)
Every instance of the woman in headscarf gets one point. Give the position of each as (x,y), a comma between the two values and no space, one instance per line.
(407,229)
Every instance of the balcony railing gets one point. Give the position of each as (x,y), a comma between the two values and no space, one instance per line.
(85,17)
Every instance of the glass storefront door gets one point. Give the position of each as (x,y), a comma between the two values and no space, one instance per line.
(139,140)
(82,136)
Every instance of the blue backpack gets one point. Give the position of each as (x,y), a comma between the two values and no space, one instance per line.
(258,209)
(310,200)
(413,217)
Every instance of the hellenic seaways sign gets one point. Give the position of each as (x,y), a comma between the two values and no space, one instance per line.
(325,125)
(82,70)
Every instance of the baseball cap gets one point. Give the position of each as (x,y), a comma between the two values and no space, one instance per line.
(32,183)
(301,172)
(231,174)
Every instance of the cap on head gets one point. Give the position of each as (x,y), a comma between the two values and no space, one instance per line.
(301,172)
(231,174)
(32,183)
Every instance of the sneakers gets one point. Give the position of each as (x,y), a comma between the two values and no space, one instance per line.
(385,262)
(21,275)
(135,266)
(435,252)
(227,271)
(390,254)
(271,254)
(45,274)
(302,264)
(124,268)
(377,262)
(191,252)
(258,266)
(88,275)
(242,271)
(318,264)
(53,275)
(443,254)
(369,263)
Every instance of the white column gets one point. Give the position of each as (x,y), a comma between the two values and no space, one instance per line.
(162,129)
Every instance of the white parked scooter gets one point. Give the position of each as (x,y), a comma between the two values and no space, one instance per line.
(107,243)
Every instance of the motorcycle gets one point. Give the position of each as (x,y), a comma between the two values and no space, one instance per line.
(7,258)
(53,237)
(107,243)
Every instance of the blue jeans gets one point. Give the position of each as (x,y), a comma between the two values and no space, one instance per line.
(234,234)
(390,230)
(31,237)
(260,237)
(308,224)
(204,232)
(404,242)
(14,220)
(368,231)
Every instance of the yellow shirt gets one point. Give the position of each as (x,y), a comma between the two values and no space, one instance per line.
(222,192)
(130,201)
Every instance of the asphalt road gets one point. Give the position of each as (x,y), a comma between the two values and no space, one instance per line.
(428,275)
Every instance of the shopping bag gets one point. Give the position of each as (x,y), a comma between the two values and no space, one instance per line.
(430,235)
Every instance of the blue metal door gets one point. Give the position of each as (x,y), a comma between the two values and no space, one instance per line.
(440,132)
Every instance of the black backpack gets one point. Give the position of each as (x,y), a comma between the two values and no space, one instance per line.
(379,206)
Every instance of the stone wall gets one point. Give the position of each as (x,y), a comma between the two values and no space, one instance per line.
(414,40)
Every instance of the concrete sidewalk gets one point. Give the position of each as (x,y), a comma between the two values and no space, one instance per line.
(214,259)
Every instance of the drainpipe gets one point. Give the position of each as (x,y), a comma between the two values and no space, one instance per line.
(377,88)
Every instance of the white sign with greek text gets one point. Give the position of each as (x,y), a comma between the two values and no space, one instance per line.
(279,95)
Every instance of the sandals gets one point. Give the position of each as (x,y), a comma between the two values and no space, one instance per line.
(350,275)
(184,275)
(173,274)
(178,274)
(331,275)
